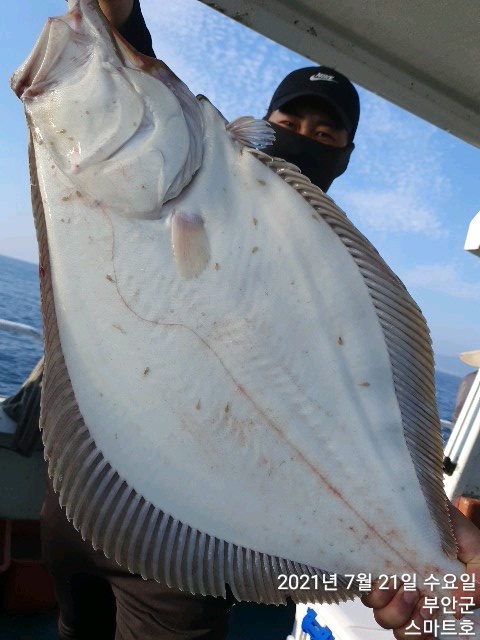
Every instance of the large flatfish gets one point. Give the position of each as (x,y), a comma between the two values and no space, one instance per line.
(236,385)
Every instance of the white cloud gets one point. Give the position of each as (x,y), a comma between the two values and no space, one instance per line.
(442,278)
(397,171)
(233,66)
(393,210)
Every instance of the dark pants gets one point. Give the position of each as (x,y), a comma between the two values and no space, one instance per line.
(99,600)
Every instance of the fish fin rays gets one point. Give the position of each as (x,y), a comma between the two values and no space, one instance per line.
(426,450)
(191,249)
(251,132)
(158,546)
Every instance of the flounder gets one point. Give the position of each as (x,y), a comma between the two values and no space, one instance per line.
(236,385)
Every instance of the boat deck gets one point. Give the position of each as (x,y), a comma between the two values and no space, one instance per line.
(248,622)
(40,626)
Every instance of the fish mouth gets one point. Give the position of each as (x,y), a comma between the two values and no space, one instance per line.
(40,72)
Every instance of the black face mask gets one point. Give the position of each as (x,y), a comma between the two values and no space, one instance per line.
(319,162)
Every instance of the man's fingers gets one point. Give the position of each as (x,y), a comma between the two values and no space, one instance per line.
(420,624)
(399,611)
(468,537)
(378,597)
(402,610)
(468,542)
(406,615)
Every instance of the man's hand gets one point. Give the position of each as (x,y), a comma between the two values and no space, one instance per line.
(116,11)
(396,608)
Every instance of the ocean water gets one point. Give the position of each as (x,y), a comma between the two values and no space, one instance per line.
(20,302)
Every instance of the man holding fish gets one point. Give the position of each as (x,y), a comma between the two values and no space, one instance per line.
(322,106)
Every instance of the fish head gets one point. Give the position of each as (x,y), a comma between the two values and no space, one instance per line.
(109,116)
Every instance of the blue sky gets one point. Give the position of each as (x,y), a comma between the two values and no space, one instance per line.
(410,188)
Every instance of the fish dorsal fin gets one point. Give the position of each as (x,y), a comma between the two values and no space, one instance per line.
(408,343)
(251,132)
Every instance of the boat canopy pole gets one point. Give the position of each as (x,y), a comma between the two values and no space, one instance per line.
(22,329)
(463,448)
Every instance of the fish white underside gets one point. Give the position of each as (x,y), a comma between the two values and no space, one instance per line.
(266,376)
(236,385)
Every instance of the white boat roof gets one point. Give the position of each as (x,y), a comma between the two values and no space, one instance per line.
(421,55)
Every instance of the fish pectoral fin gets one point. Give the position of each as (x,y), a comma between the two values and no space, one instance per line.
(251,132)
(190,245)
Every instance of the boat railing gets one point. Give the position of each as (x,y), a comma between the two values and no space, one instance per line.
(21,329)
(462,447)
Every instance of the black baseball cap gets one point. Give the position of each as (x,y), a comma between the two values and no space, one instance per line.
(325,83)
